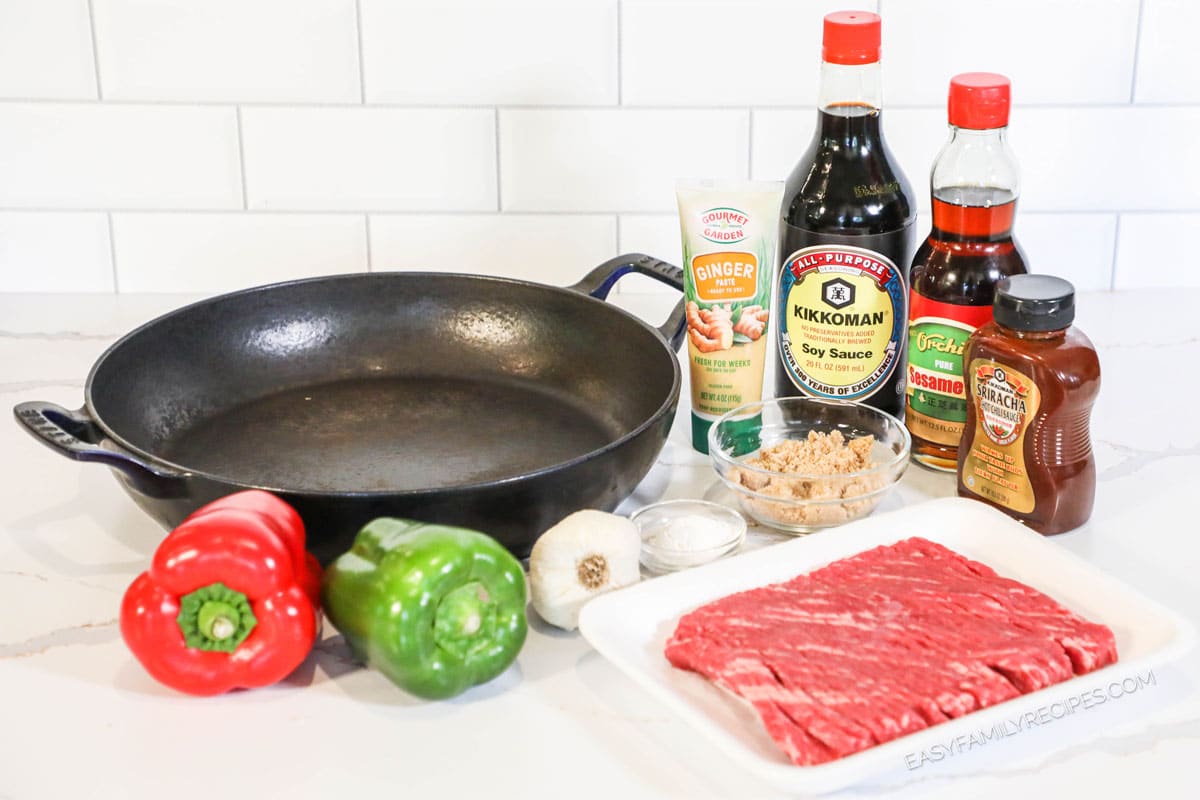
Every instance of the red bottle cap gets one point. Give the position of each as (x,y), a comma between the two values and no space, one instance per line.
(979,100)
(851,37)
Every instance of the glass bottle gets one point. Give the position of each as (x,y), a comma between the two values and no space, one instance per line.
(975,184)
(845,236)
(1032,379)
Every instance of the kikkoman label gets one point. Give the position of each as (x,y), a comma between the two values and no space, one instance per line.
(1005,402)
(936,395)
(723,225)
(842,320)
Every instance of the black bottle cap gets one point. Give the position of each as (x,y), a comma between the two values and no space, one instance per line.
(1034,303)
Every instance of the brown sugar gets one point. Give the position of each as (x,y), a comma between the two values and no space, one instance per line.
(807,498)
(819,454)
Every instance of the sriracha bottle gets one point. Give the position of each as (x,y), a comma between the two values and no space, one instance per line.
(846,237)
(1032,378)
(955,271)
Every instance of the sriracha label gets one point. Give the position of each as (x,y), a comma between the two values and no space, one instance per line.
(936,397)
(1006,401)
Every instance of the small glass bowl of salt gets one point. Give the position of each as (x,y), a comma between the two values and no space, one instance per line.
(678,534)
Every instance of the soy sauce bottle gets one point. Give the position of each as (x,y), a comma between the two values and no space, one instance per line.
(954,274)
(846,237)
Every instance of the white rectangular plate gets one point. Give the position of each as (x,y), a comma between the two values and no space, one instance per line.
(630,628)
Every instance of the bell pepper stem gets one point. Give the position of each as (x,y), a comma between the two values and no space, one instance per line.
(465,619)
(215,617)
(217,620)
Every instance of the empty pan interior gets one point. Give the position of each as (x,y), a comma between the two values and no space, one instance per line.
(392,434)
(387,382)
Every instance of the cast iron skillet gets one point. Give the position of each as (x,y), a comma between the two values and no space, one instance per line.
(496,404)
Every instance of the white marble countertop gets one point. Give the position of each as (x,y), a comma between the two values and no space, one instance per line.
(81,719)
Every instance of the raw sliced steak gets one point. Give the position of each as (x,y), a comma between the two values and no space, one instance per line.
(882,644)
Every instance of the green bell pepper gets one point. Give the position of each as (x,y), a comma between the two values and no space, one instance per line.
(436,609)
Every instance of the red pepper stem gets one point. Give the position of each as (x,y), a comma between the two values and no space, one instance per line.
(215,617)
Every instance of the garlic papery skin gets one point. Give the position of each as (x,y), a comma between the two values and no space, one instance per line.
(587,554)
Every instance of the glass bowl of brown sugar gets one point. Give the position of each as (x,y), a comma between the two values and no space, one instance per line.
(800,464)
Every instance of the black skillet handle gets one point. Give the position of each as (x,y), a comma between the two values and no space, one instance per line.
(74,434)
(600,281)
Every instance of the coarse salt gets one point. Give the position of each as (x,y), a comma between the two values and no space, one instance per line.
(677,534)
(686,539)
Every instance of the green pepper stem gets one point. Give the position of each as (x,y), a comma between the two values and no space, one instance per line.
(464,619)
(217,620)
(215,617)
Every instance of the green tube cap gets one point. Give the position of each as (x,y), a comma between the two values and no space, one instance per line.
(700,428)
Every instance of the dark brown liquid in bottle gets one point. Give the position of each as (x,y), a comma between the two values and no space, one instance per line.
(847,191)
(1056,445)
(968,251)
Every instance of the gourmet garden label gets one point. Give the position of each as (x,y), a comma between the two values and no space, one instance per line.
(935,397)
(729,249)
(842,319)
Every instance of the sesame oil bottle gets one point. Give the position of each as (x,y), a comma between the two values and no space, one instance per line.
(975,184)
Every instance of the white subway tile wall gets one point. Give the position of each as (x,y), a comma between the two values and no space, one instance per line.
(614,160)
(552,248)
(46,50)
(207,253)
(1064,52)
(272,51)
(658,234)
(511,53)
(1109,159)
(1078,247)
(722,53)
(176,146)
(366,159)
(1151,250)
(55,252)
(1168,59)
(95,156)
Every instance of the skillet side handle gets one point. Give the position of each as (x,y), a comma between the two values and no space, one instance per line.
(600,281)
(74,434)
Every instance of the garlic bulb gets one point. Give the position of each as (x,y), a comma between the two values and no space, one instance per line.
(588,553)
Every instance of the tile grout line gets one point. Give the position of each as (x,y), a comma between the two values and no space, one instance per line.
(241,158)
(95,50)
(112,253)
(433,212)
(1137,47)
(617,233)
(358,27)
(1112,275)
(749,144)
(657,107)
(367,231)
(620,69)
(342,212)
(496,136)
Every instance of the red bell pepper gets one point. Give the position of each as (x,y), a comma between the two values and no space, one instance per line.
(231,599)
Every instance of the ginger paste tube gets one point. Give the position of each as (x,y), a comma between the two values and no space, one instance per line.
(729,238)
